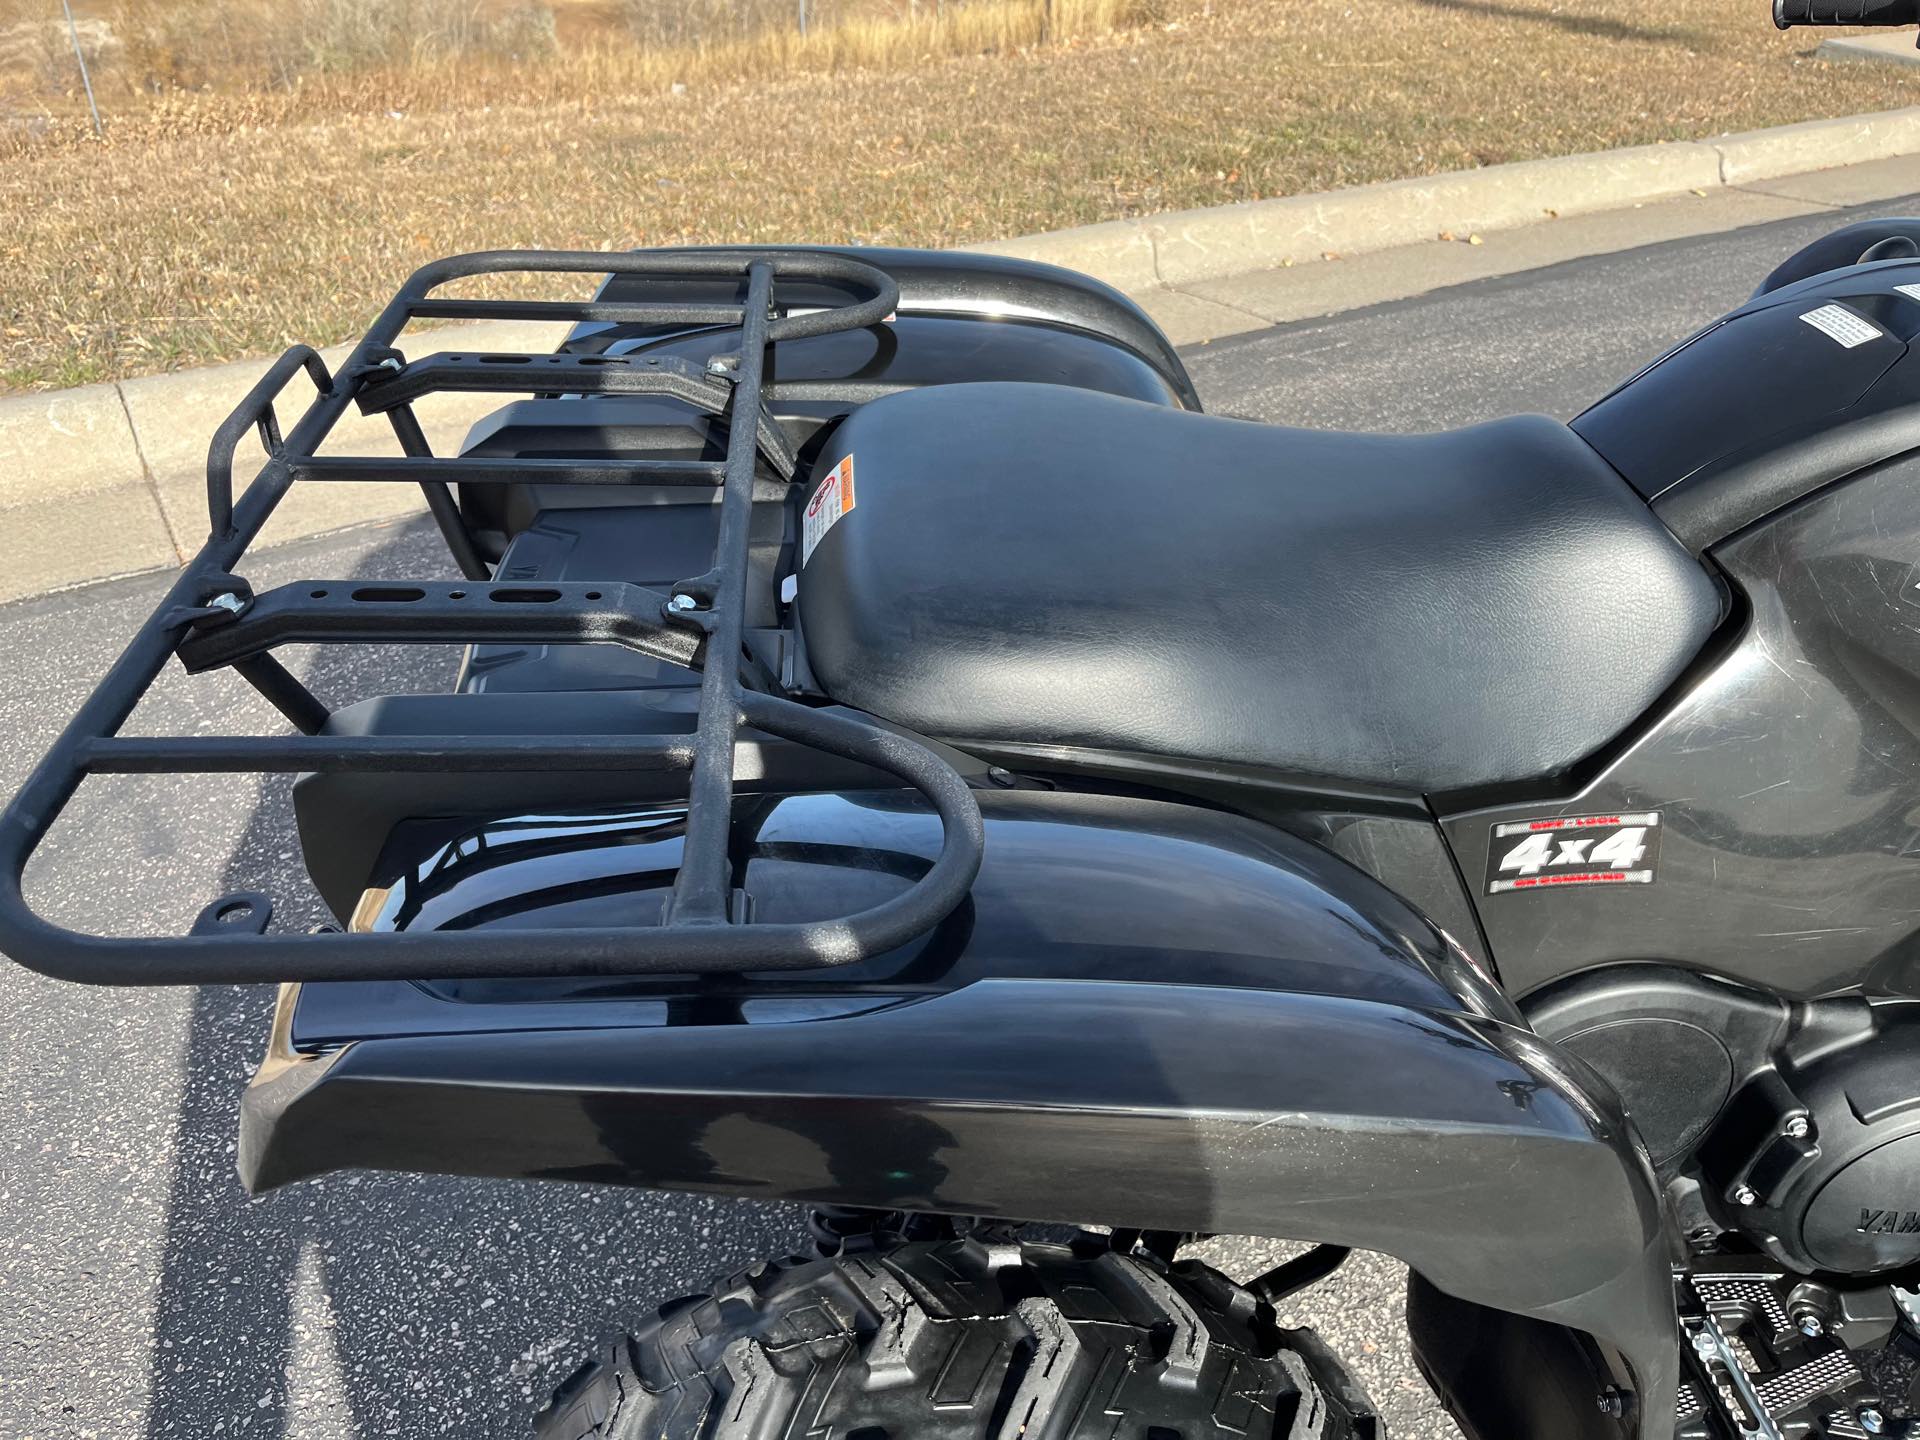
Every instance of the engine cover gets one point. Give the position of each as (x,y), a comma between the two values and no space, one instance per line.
(1820,1163)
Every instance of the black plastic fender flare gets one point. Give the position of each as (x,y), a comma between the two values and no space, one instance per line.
(1498,1168)
(1847,246)
(991,287)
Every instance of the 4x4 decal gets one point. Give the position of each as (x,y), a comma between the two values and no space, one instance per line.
(1573,850)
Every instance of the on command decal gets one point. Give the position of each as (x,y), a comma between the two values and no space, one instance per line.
(833,499)
(1573,850)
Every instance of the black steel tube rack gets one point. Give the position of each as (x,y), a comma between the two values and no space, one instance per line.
(210,619)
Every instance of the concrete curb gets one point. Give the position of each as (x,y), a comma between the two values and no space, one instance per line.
(1191,245)
(109,479)
(1880,48)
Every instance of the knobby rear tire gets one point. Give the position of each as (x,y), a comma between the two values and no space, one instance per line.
(964,1340)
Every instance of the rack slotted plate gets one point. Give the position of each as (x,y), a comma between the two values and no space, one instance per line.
(209,619)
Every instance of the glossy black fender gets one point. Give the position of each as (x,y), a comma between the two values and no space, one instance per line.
(961,284)
(1885,237)
(960,318)
(1147,1015)
(1762,408)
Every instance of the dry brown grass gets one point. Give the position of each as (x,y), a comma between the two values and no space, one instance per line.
(330,55)
(220,226)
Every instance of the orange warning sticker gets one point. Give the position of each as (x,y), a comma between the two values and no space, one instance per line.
(833,499)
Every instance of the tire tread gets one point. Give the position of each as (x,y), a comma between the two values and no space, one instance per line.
(962,1340)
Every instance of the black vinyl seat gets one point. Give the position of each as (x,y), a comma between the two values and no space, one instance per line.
(1038,564)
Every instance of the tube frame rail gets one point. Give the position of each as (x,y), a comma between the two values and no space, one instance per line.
(211,619)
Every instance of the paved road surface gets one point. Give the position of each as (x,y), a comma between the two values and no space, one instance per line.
(142,1294)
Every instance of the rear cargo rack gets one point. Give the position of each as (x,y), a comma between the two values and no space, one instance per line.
(211,619)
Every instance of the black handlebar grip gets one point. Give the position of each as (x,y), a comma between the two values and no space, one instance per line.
(1788,13)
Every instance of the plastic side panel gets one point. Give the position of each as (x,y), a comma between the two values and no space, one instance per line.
(1469,1149)
(1785,778)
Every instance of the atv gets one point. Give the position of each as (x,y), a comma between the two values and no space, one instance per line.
(910,761)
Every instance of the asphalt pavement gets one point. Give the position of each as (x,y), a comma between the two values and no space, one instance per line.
(142,1294)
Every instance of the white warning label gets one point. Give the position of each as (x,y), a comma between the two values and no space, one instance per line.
(833,499)
(1912,292)
(1841,325)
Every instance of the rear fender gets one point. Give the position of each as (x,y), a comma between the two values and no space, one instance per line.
(954,283)
(1293,1053)
(1493,1165)
(961,318)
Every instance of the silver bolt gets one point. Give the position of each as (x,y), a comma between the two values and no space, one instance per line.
(723,364)
(1798,1128)
(1871,1420)
(391,363)
(1703,1342)
(228,601)
(1744,1195)
(683,603)
(1810,1326)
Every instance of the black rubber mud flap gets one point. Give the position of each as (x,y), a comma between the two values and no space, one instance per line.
(964,1341)
(1508,1377)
